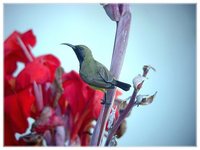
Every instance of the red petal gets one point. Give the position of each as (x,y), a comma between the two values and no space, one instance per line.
(9,137)
(17,109)
(85,139)
(118,93)
(98,96)
(51,62)
(73,92)
(97,104)
(10,64)
(13,52)
(11,44)
(33,71)
(9,85)
(41,70)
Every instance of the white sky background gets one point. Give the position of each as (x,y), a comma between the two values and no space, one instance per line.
(162,36)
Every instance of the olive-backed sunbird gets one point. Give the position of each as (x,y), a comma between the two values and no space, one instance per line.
(94,73)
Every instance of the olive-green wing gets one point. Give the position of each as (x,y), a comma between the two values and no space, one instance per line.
(96,74)
(104,74)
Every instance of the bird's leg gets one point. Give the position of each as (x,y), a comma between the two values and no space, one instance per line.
(104,101)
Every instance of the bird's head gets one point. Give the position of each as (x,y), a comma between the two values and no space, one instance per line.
(81,51)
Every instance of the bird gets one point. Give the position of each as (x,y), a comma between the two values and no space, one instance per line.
(93,72)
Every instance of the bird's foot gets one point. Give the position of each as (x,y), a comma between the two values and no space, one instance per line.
(104,102)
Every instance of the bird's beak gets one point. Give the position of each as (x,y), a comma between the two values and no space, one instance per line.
(77,51)
(70,45)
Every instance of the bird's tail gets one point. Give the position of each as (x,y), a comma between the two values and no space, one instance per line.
(122,85)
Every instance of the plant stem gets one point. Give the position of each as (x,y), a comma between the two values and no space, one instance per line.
(124,114)
(130,105)
(121,39)
(106,112)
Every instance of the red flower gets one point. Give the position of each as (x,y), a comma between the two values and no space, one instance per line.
(17,105)
(17,109)
(40,70)
(13,52)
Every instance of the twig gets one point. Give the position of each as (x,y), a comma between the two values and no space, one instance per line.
(126,111)
(130,105)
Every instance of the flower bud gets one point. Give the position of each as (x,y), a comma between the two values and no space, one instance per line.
(112,10)
(137,81)
(115,11)
(146,69)
(145,99)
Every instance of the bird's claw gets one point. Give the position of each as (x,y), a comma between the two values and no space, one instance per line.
(103,102)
